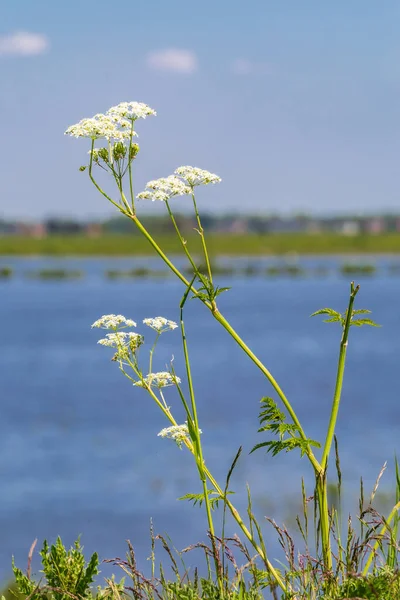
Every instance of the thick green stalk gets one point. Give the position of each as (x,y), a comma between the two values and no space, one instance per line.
(322,497)
(339,378)
(321,479)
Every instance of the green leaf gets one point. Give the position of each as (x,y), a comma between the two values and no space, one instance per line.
(274,420)
(327,311)
(214,498)
(360,322)
(361,311)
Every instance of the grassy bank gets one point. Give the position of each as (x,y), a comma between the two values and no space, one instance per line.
(124,245)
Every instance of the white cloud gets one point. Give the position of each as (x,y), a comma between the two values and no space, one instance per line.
(23,43)
(173,60)
(242,66)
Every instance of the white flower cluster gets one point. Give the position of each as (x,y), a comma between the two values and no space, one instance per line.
(160,324)
(165,188)
(178,433)
(131,111)
(161,379)
(113,322)
(180,184)
(116,124)
(101,126)
(121,338)
(194,176)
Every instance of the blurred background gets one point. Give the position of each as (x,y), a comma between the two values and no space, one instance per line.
(296,107)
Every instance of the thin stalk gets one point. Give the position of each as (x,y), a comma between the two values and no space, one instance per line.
(379,537)
(182,241)
(130,170)
(152,352)
(203,239)
(160,253)
(246,532)
(198,445)
(96,185)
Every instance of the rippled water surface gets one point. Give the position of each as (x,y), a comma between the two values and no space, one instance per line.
(79,446)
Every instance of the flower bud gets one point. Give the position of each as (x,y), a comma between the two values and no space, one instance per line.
(133,151)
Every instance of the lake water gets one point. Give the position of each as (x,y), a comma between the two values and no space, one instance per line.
(79,452)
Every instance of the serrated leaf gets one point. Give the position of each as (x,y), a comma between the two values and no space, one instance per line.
(333,320)
(360,322)
(326,311)
(274,420)
(220,290)
(361,311)
(258,446)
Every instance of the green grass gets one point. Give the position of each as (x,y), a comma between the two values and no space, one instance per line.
(226,244)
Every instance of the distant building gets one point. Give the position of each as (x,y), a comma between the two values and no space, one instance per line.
(93,230)
(350,228)
(375,225)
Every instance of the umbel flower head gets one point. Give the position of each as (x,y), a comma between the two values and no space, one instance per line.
(121,339)
(160,324)
(101,126)
(159,380)
(131,111)
(178,433)
(113,322)
(194,176)
(165,188)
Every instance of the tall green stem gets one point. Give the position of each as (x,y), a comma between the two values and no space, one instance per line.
(339,378)
(322,478)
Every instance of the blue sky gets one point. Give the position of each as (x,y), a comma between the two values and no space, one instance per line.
(296,105)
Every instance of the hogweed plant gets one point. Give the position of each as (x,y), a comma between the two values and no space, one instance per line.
(113,149)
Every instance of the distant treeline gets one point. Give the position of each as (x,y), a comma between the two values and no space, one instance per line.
(234,224)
